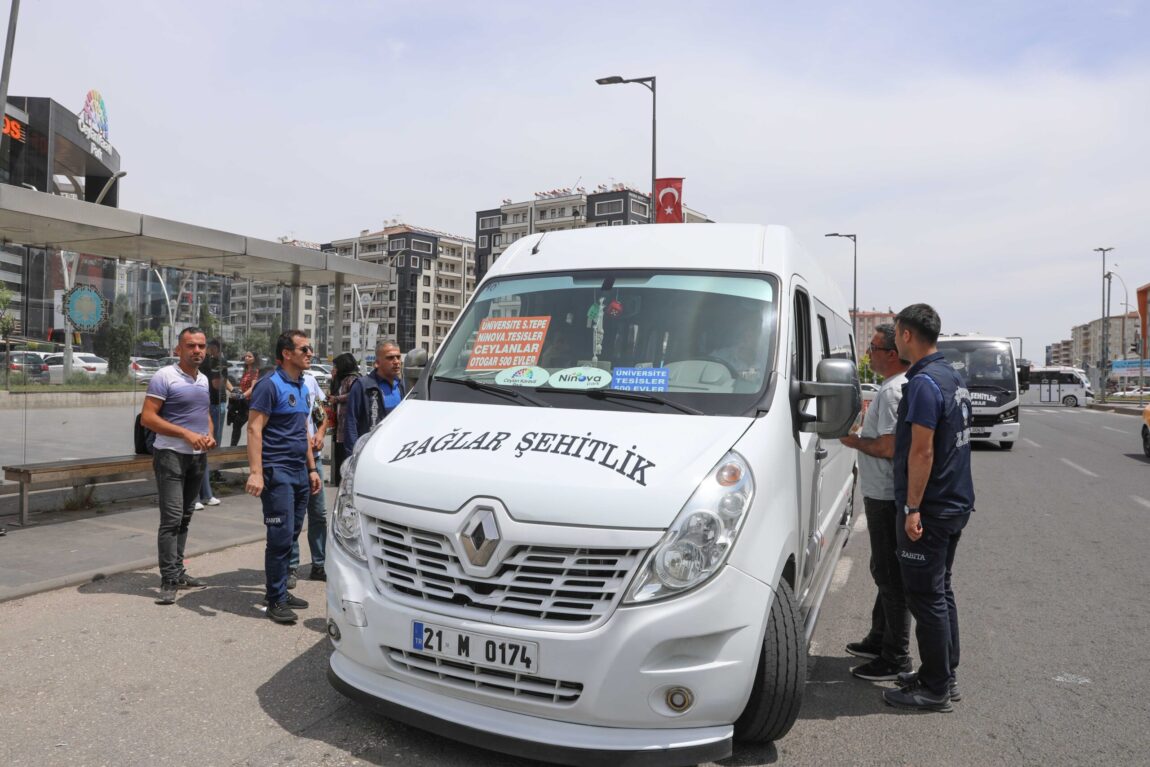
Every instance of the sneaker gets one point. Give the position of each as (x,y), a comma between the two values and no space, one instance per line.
(186,581)
(916,696)
(865,649)
(911,677)
(199,506)
(281,613)
(213,501)
(167,593)
(3,531)
(879,670)
(292,580)
(317,573)
(296,602)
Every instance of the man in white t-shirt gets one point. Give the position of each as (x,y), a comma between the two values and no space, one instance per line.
(317,503)
(177,408)
(887,645)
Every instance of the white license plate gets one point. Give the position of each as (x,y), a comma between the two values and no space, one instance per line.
(467,647)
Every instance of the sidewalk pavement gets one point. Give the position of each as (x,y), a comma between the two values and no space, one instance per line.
(66,548)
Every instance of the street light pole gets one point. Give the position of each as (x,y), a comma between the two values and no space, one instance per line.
(1103,352)
(649,84)
(108,185)
(855,292)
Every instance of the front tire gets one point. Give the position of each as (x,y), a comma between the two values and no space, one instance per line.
(1146,441)
(1070,400)
(782,670)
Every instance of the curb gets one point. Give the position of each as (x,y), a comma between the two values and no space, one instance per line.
(77,579)
(1123,409)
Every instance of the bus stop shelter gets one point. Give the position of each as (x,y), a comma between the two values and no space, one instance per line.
(41,220)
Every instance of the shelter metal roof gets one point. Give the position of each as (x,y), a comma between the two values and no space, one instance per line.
(43,220)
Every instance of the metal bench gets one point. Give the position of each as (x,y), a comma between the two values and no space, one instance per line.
(82,472)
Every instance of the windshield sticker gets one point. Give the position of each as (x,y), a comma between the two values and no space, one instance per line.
(580,378)
(504,342)
(627,463)
(641,379)
(522,376)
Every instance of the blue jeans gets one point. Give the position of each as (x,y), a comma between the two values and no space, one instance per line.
(284,502)
(219,412)
(177,478)
(316,525)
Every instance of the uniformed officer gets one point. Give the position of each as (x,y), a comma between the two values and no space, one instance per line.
(283,473)
(933,486)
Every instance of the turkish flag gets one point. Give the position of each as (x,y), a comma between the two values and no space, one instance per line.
(668,201)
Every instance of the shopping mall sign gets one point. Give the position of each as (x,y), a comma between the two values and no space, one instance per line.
(14,129)
(93,123)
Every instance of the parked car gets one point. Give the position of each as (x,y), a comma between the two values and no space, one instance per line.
(141,369)
(167,361)
(30,364)
(322,375)
(88,364)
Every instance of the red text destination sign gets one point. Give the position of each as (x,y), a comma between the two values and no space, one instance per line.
(505,342)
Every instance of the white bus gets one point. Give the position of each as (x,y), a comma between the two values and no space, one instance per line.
(1058,386)
(987,365)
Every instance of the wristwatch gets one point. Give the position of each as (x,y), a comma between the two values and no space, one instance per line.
(910,510)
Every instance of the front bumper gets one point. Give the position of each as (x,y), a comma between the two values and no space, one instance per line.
(999,432)
(707,641)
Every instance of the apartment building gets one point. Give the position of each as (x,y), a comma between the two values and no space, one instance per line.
(431,276)
(567,208)
(865,324)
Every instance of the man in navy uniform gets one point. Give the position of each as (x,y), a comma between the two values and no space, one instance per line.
(283,473)
(933,486)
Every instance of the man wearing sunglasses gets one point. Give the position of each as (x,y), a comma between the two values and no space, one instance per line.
(283,471)
(887,644)
(374,395)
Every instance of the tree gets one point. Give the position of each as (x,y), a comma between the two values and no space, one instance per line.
(120,337)
(207,322)
(7,326)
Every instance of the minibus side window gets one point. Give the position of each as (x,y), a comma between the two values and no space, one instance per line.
(801,338)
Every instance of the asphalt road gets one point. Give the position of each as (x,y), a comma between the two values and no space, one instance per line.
(1050,580)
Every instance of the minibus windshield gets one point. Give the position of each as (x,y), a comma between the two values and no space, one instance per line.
(695,341)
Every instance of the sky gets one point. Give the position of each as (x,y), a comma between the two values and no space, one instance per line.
(980,150)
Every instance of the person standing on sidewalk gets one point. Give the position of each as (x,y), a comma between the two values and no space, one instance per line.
(888,642)
(176,408)
(316,503)
(346,371)
(217,374)
(934,489)
(283,473)
(374,395)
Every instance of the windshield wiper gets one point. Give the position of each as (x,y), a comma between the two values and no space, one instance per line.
(509,393)
(634,397)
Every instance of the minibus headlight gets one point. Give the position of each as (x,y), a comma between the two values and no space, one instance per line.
(702,535)
(346,526)
(1008,416)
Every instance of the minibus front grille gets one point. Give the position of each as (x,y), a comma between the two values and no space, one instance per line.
(560,585)
(491,681)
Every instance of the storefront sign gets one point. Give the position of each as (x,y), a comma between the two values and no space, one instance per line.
(13,129)
(93,123)
(505,342)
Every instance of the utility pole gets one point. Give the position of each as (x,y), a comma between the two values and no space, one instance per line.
(1104,351)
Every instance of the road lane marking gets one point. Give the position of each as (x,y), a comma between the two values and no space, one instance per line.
(1111,428)
(860,524)
(1071,679)
(1073,465)
(1140,501)
(1032,442)
(842,573)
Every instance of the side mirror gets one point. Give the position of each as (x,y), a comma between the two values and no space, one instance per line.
(413,364)
(416,358)
(837,395)
(1023,378)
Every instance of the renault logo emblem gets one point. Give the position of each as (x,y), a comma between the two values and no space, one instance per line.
(481,537)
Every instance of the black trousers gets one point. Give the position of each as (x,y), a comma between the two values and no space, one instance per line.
(890,619)
(926,567)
